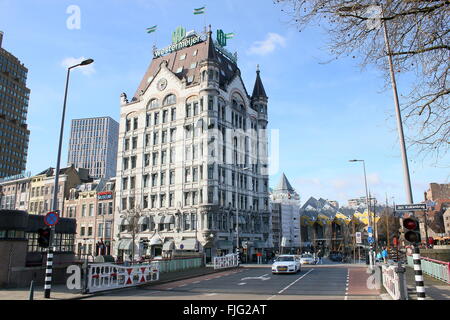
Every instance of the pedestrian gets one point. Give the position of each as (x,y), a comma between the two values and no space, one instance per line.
(384,254)
(319,255)
(378,257)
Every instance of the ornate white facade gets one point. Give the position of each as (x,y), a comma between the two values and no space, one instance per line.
(192,152)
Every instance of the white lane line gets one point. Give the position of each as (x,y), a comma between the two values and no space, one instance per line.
(292,284)
(196,282)
(347,285)
(241,284)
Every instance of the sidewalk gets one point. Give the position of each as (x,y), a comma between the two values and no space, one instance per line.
(60,292)
(434,289)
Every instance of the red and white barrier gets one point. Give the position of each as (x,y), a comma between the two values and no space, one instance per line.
(102,277)
(228,261)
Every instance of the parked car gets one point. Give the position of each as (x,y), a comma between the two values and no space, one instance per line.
(286,264)
(307,259)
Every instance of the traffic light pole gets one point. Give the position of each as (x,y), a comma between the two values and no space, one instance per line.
(420,289)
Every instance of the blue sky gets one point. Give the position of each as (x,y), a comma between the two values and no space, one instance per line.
(326,113)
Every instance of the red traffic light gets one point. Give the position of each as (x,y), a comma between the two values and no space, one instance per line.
(410,224)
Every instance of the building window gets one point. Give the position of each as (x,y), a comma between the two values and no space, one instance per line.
(172,177)
(169,100)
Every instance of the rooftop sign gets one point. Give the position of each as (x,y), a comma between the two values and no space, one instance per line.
(179,41)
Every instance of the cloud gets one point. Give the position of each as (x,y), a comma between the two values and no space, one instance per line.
(71,61)
(267,46)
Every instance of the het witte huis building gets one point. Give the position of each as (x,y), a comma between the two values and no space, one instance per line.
(192,153)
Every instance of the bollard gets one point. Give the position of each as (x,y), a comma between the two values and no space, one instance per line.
(31,291)
(400,270)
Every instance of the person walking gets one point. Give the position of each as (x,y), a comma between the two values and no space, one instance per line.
(384,254)
(319,255)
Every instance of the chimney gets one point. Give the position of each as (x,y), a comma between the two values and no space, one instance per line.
(1,38)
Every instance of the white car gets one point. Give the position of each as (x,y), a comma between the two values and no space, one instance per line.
(286,264)
(307,259)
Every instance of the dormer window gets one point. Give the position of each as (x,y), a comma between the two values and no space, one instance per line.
(180,70)
(183,57)
(193,65)
(195,53)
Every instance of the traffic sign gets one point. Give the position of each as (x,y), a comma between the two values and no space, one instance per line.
(358,238)
(370,239)
(51,219)
(411,207)
(369,230)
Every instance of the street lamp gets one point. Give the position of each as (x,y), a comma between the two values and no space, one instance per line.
(237,214)
(368,208)
(48,277)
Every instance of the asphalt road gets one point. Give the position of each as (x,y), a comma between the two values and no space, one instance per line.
(312,283)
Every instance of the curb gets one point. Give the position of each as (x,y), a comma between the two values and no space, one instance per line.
(90,295)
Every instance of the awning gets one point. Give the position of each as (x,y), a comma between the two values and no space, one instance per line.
(125,244)
(168,245)
(155,242)
(144,220)
(188,244)
(169,219)
(158,219)
(259,244)
(224,244)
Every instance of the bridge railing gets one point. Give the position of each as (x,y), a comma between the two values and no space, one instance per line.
(102,277)
(228,261)
(179,264)
(434,268)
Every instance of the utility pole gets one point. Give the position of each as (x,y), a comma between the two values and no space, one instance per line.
(420,289)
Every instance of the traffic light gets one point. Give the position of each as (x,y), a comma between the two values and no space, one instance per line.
(44,237)
(412,232)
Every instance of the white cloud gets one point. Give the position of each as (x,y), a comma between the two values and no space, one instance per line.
(71,61)
(267,46)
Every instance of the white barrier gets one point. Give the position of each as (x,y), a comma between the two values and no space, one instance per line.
(228,261)
(391,281)
(102,277)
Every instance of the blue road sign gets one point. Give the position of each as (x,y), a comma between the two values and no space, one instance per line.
(369,230)
(51,219)
(370,239)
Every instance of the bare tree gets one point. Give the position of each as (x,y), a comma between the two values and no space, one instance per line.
(419,38)
(132,216)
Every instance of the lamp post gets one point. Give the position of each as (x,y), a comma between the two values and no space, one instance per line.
(49,271)
(368,209)
(237,213)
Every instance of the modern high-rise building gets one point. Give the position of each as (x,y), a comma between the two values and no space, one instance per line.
(193,155)
(14,97)
(93,146)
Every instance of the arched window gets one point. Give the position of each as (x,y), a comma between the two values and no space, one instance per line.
(170,99)
(153,104)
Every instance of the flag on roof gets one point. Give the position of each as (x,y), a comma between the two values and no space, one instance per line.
(152,29)
(200,10)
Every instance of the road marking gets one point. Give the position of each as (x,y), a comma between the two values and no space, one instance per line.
(211,294)
(196,282)
(347,284)
(292,284)
(241,284)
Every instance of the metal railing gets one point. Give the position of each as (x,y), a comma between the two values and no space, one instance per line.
(180,264)
(434,268)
